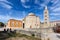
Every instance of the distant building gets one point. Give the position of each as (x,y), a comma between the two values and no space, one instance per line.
(31,21)
(54,23)
(12,23)
(41,25)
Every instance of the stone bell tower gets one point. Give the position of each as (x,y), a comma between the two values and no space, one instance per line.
(46,17)
(46,28)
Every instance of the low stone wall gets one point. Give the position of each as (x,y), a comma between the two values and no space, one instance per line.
(39,33)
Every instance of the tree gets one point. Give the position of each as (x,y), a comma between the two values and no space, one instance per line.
(2,24)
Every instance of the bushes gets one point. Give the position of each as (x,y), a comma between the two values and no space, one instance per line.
(33,34)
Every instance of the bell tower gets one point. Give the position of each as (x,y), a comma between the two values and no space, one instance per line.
(46,17)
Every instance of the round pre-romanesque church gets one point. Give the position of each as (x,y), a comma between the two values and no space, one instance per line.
(32,21)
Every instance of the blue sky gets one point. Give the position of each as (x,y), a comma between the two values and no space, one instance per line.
(18,9)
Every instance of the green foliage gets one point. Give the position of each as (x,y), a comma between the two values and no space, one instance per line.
(33,34)
(2,24)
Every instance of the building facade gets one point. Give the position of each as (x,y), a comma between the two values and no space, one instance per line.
(32,21)
(12,23)
(54,23)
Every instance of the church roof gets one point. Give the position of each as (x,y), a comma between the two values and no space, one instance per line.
(31,14)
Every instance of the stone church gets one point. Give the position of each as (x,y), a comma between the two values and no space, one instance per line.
(31,21)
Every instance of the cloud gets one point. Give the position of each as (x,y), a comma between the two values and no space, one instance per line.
(55,1)
(5,1)
(56,4)
(24,1)
(55,14)
(7,17)
(26,6)
(57,9)
(52,18)
(4,4)
(43,3)
(36,2)
(46,1)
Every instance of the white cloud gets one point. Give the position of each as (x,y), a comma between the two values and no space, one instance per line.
(55,1)
(46,1)
(7,17)
(56,5)
(26,6)
(4,3)
(43,5)
(3,0)
(54,18)
(57,9)
(24,1)
(55,14)
(36,2)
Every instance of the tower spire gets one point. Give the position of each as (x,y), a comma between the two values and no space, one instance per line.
(46,7)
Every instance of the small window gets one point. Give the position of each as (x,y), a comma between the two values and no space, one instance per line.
(45,12)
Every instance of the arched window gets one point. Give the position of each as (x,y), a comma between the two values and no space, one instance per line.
(12,24)
(17,24)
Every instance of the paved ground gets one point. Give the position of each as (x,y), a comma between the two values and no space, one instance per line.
(54,36)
